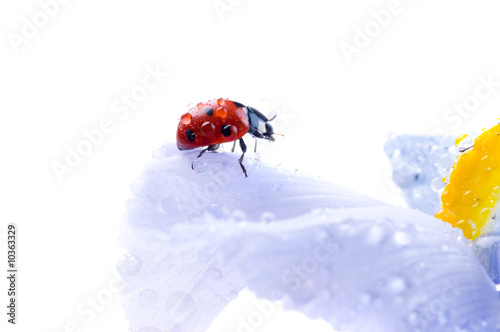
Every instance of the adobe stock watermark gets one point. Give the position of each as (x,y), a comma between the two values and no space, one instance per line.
(462,110)
(436,308)
(122,106)
(222,7)
(89,308)
(362,38)
(292,278)
(31,26)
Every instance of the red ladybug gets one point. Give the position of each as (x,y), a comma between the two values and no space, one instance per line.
(220,121)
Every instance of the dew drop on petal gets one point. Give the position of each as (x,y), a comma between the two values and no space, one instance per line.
(496,192)
(464,142)
(212,274)
(221,112)
(186,118)
(470,198)
(200,165)
(267,217)
(375,234)
(397,285)
(233,295)
(485,213)
(402,238)
(179,301)
(486,163)
(437,184)
(460,139)
(138,186)
(128,264)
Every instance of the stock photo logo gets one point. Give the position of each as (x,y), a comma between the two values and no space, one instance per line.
(302,243)
(122,107)
(33,25)
(378,21)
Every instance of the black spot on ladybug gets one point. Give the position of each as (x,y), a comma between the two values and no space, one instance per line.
(209,111)
(238,104)
(190,135)
(226,130)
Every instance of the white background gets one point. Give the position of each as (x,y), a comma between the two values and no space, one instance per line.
(66,76)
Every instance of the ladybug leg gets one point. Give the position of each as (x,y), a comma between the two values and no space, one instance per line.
(209,148)
(243,147)
(255,149)
(234,145)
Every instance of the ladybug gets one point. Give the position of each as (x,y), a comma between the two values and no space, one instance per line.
(218,121)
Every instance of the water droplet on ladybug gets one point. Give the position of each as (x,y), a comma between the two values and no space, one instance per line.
(186,118)
(221,112)
(207,129)
(220,101)
(200,106)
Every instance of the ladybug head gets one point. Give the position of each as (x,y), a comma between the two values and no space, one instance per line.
(259,125)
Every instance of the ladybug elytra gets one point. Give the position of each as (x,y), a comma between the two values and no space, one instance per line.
(218,121)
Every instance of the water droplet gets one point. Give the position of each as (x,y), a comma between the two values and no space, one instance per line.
(179,301)
(485,213)
(128,264)
(207,129)
(402,238)
(486,163)
(496,192)
(468,227)
(221,112)
(220,101)
(278,186)
(464,142)
(447,197)
(376,234)
(267,217)
(397,285)
(212,274)
(186,118)
(199,105)
(234,130)
(437,184)
(232,295)
(276,295)
(200,165)
(239,215)
(460,138)
(470,198)
(138,186)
